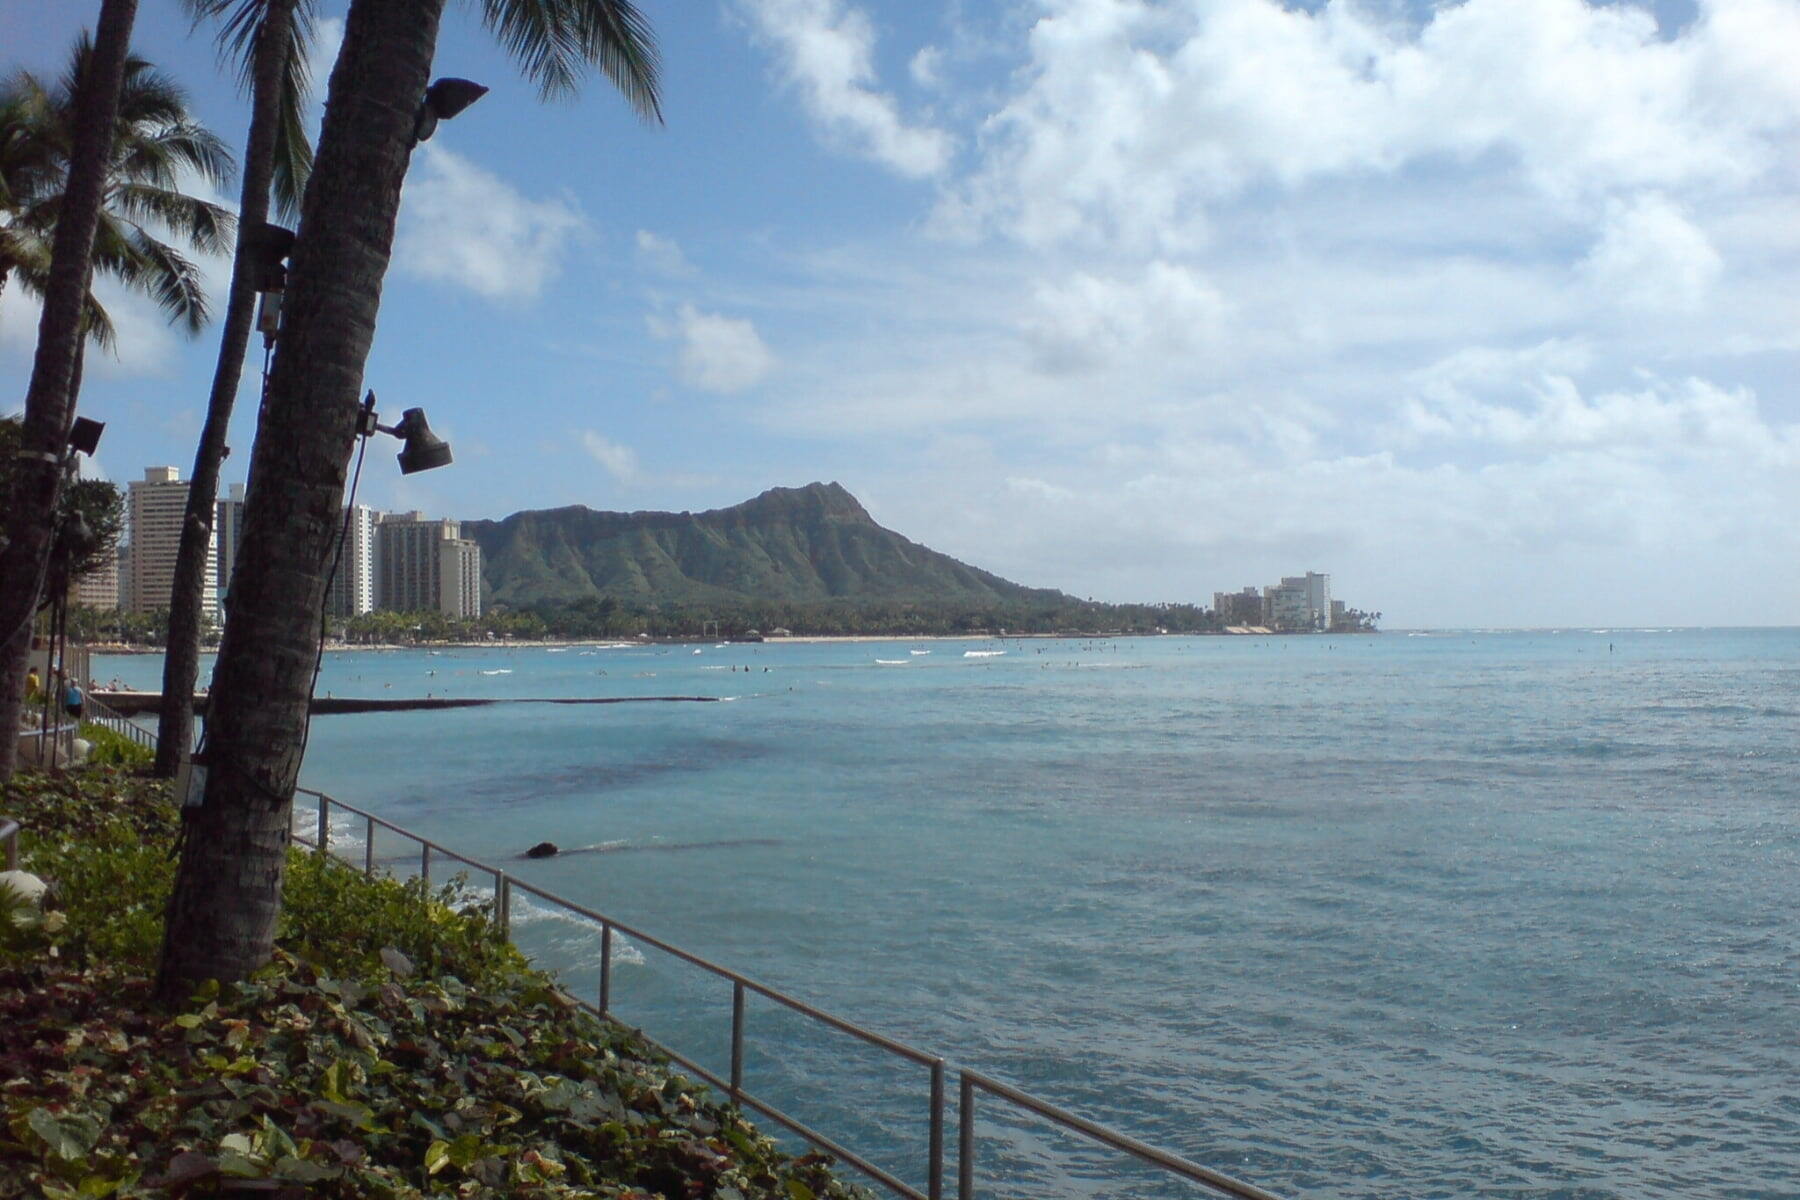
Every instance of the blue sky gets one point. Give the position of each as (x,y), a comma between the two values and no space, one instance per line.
(1488,308)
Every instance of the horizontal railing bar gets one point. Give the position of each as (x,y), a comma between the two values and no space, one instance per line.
(1119,1141)
(816,1138)
(761,989)
(388,825)
(1100,1133)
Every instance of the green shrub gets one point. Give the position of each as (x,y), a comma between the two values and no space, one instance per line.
(333,916)
(109,748)
(102,837)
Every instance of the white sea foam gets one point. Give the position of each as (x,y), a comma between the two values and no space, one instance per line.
(916,653)
(572,941)
(983,653)
(894,662)
(501,671)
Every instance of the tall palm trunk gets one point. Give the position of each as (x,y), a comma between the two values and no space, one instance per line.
(181,659)
(49,399)
(228,887)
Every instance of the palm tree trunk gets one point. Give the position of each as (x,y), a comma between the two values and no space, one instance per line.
(181,659)
(49,399)
(228,888)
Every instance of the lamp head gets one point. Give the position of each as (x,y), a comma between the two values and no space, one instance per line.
(268,247)
(443,100)
(84,435)
(424,450)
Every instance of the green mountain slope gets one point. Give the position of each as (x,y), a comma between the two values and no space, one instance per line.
(788,545)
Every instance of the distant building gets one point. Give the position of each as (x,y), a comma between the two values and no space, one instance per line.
(1239,608)
(353,585)
(228,531)
(1300,602)
(155,507)
(426,565)
(99,588)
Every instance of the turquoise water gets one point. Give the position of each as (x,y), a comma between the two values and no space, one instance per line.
(1499,914)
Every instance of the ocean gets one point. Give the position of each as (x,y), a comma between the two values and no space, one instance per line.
(1470,913)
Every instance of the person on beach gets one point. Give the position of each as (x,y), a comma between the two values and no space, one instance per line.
(34,686)
(72,700)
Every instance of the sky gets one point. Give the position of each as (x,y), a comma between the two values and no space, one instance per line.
(1488,308)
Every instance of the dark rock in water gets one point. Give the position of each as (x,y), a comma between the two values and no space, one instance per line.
(542,850)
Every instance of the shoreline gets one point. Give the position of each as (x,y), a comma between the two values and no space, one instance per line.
(806,639)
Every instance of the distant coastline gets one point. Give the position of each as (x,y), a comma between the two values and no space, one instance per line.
(803,639)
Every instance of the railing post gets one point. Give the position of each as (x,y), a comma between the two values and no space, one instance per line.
(324,821)
(737,1042)
(424,862)
(934,1184)
(369,849)
(965,1142)
(503,905)
(606,969)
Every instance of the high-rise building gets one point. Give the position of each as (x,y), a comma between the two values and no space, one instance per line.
(353,585)
(1300,602)
(155,507)
(99,588)
(459,575)
(228,532)
(425,565)
(1239,608)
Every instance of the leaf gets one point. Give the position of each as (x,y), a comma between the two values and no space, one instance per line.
(437,1157)
(68,1138)
(240,1166)
(189,1020)
(798,1190)
(236,1143)
(465,1149)
(187,1167)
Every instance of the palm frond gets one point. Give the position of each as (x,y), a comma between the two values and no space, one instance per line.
(97,323)
(154,157)
(615,35)
(554,41)
(170,279)
(293,148)
(207,226)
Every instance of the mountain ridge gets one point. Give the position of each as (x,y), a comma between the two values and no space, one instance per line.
(787,545)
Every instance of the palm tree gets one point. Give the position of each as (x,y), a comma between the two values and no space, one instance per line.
(89,176)
(154,141)
(270,38)
(227,893)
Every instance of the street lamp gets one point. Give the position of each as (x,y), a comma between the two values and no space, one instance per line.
(423,451)
(443,100)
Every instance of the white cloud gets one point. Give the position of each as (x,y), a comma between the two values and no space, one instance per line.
(827,50)
(620,461)
(1651,256)
(717,353)
(1086,321)
(927,67)
(465,226)
(662,255)
(1134,118)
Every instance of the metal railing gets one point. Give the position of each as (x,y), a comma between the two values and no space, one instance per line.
(9,834)
(972,1082)
(100,714)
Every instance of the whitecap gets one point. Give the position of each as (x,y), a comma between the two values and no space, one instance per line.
(983,653)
